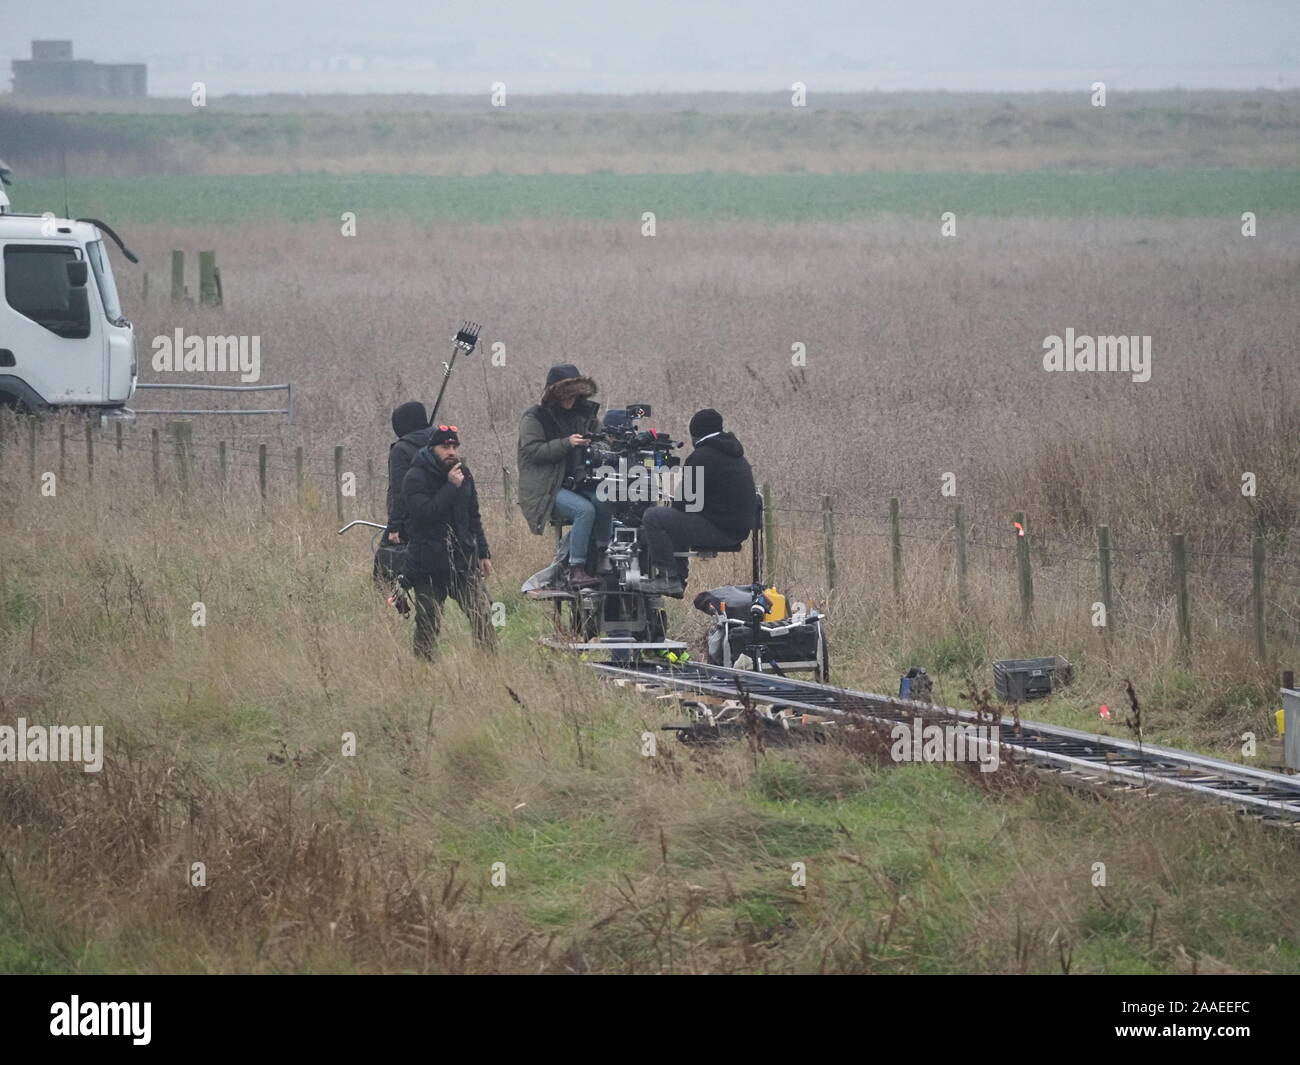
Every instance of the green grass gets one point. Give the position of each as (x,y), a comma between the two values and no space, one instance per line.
(704,196)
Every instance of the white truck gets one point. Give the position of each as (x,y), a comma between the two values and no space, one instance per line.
(64,341)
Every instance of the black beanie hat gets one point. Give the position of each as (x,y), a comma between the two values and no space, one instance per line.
(563,372)
(444,434)
(704,422)
(409,417)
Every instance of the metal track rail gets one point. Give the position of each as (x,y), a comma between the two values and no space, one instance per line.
(1274,796)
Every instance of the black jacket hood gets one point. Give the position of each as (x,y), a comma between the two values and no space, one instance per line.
(724,442)
(409,417)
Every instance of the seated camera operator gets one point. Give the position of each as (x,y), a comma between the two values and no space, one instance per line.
(726,487)
(552,439)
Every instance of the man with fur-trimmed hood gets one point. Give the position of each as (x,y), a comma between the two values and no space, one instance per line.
(552,436)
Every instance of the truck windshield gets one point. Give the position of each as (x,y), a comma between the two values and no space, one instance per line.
(103,269)
(37,287)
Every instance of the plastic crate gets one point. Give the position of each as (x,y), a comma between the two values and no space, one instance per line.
(1019,680)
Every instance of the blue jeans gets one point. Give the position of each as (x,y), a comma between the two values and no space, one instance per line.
(585,513)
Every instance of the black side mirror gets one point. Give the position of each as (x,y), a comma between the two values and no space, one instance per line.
(78,273)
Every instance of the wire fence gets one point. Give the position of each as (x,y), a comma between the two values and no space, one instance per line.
(1257,590)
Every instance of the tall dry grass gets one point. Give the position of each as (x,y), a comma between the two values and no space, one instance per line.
(224,746)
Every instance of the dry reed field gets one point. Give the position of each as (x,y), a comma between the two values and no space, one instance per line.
(498,814)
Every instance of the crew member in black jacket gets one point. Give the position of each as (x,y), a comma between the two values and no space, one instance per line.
(448,551)
(411,424)
(725,484)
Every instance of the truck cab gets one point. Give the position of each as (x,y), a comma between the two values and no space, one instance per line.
(64,341)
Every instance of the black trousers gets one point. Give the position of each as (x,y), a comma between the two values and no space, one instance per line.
(668,530)
(470,593)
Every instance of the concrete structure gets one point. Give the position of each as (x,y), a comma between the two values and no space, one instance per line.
(52,71)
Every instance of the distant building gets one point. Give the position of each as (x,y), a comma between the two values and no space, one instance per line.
(52,71)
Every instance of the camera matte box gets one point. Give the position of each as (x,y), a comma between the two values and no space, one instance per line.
(1018,680)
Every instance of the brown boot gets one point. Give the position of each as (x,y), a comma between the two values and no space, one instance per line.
(580,578)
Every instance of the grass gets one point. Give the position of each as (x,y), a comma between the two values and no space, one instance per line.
(773,198)
(224,746)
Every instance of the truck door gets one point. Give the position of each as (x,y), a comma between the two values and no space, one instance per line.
(49,322)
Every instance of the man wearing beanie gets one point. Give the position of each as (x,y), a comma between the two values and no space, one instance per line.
(448,551)
(552,436)
(726,518)
(411,425)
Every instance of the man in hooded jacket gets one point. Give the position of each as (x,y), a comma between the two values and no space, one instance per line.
(726,488)
(448,550)
(552,436)
(411,425)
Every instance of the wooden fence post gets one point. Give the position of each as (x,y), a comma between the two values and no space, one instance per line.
(155,446)
(223,464)
(90,454)
(181,435)
(963,589)
(208,279)
(769,537)
(1257,593)
(178,277)
(117,436)
(261,471)
(1026,575)
(828,537)
(144,289)
(896,547)
(338,481)
(508,491)
(1103,568)
(1178,550)
(297,471)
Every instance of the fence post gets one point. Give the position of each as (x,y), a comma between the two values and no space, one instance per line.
(896,546)
(144,289)
(1025,572)
(31,447)
(297,471)
(261,471)
(155,446)
(1257,592)
(828,536)
(90,454)
(508,490)
(1178,549)
(959,524)
(181,435)
(178,277)
(222,464)
(208,279)
(338,481)
(63,449)
(117,435)
(1103,564)
(769,537)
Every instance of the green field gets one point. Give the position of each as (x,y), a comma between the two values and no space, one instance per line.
(204,200)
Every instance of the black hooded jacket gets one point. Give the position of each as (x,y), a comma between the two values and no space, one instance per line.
(726,483)
(411,425)
(442,521)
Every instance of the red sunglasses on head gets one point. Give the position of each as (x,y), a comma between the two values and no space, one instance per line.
(448,429)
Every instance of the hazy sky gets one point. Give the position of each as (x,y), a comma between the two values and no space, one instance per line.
(248,46)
